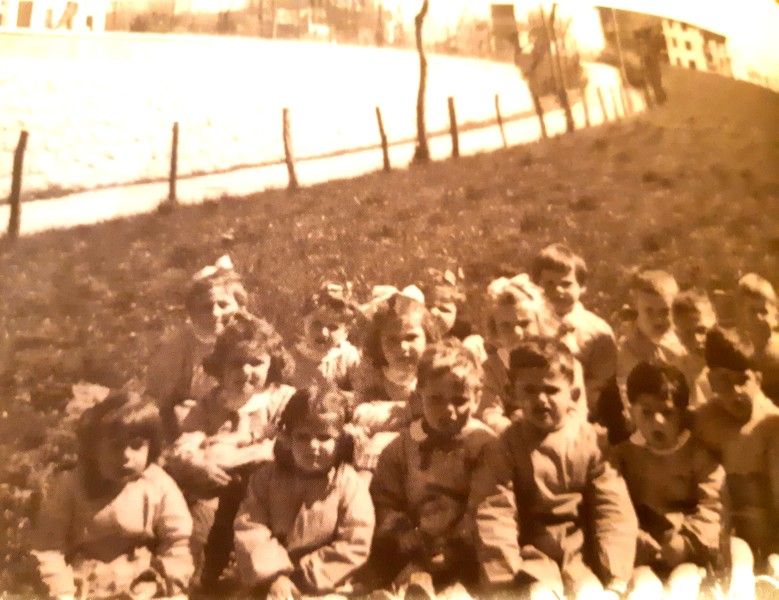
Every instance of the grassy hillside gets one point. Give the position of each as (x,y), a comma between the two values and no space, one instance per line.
(692,187)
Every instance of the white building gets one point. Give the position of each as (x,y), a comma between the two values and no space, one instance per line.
(76,15)
(695,48)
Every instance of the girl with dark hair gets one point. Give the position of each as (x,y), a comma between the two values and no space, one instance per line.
(117,524)
(229,432)
(306,523)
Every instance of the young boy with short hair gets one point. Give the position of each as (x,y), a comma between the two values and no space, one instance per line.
(563,276)
(758,323)
(652,336)
(740,426)
(570,501)
(674,482)
(429,481)
(693,317)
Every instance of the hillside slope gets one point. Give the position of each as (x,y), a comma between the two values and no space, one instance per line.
(692,187)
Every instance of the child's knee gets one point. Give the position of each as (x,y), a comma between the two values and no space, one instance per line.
(645,584)
(741,556)
(685,582)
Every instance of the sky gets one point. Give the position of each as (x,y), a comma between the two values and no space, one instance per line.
(751,26)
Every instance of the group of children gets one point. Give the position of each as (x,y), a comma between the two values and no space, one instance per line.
(393,451)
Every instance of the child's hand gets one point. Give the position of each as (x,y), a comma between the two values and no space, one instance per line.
(214,475)
(647,549)
(674,550)
(283,589)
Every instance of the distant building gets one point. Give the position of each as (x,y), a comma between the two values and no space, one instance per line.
(684,45)
(77,15)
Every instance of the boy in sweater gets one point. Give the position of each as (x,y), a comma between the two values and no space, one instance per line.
(570,502)
(674,482)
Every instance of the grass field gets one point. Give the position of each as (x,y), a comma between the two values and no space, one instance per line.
(692,187)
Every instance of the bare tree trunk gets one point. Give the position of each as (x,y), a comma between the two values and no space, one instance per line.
(562,93)
(422,151)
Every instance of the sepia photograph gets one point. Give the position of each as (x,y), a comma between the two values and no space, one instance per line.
(389,299)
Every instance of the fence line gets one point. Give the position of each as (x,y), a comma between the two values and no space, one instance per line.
(289,160)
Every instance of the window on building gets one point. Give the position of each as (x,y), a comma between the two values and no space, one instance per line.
(678,61)
(688,45)
(693,65)
(674,42)
(684,26)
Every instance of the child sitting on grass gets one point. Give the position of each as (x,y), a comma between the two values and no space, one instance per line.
(570,502)
(693,316)
(430,480)
(324,351)
(117,524)
(562,275)
(516,309)
(385,381)
(306,523)
(675,485)
(651,338)
(447,306)
(175,373)
(740,426)
(756,309)
(229,432)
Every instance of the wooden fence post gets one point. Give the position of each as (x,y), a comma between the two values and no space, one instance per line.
(15,218)
(614,103)
(174,165)
(647,94)
(623,95)
(384,148)
(500,120)
(453,129)
(583,92)
(288,157)
(602,105)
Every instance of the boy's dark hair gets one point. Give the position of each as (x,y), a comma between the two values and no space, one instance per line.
(334,296)
(725,350)
(691,302)
(449,356)
(395,308)
(317,400)
(120,415)
(661,380)
(560,259)
(542,353)
(246,336)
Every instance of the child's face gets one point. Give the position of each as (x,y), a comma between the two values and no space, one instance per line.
(561,288)
(325,328)
(513,323)
(244,375)
(403,341)
(121,459)
(692,327)
(447,402)
(658,420)
(654,315)
(734,390)
(314,444)
(444,313)
(757,318)
(545,396)
(211,310)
